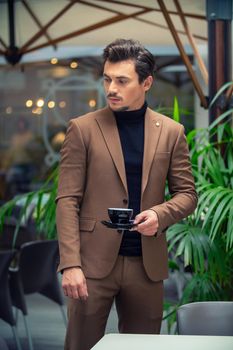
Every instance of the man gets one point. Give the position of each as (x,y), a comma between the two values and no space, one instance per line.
(120,156)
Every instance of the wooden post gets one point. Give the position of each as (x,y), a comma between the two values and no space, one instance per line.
(219,16)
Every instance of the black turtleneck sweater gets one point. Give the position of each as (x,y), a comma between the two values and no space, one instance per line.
(131,130)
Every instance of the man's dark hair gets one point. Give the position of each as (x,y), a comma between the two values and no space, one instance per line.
(128,49)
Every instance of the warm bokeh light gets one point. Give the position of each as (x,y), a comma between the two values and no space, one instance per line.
(73,64)
(60,72)
(29,103)
(92,103)
(54,60)
(37,110)
(51,104)
(9,110)
(40,102)
(59,137)
(62,104)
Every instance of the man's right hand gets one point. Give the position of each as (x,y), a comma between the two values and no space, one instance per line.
(74,283)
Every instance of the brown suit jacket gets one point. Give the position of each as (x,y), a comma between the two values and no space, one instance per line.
(92,178)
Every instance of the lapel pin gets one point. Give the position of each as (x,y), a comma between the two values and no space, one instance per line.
(157,123)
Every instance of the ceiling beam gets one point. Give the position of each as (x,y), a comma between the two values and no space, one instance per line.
(41,32)
(95,26)
(192,15)
(192,42)
(148,21)
(135,17)
(166,27)
(99,7)
(183,54)
(36,20)
(3,43)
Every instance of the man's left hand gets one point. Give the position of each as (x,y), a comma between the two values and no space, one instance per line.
(146,223)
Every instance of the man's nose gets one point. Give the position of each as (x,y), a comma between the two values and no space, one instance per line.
(112,87)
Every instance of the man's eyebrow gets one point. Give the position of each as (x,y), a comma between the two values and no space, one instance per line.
(117,77)
(122,77)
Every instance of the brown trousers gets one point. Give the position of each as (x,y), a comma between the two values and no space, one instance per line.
(139,305)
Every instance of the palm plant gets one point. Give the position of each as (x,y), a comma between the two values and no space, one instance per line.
(204,241)
(43,203)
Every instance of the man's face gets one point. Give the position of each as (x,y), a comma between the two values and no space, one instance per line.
(122,88)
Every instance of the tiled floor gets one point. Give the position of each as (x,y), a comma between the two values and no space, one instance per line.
(47,326)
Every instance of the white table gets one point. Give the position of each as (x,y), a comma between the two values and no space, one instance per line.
(163,342)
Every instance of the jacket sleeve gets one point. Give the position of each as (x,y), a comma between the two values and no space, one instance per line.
(181,186)
(72,173)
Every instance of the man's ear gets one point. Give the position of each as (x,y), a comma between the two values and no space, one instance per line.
(148,82)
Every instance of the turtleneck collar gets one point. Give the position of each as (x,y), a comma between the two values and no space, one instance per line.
(131,116)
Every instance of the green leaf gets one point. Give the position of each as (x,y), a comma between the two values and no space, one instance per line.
(173,265)
(227,207)
(229,233)
(201,288)
(220,195)
(23,212)
(205,199)
(220,91)
(176,113)
(221,118)
(218,213)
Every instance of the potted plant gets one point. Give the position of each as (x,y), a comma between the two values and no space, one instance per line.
(39,204)
(202,244)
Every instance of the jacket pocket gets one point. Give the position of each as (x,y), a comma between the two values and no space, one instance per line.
(86,224)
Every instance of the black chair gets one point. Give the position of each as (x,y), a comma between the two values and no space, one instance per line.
(206,318)
(36,273)
(26,229)
(6,308)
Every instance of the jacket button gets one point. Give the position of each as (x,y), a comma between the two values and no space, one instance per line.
(125,201)
(119,231)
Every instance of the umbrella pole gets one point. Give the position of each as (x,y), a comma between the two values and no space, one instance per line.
(219,16)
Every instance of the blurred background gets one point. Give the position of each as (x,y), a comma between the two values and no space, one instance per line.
(50,71)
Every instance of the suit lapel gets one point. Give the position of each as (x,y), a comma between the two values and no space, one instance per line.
(153,127)
(107,124)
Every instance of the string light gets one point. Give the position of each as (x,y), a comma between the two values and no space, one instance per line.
(54,60)
(40,102)
(73,64)
(9,110)
(29,103)
(59,137)
(92,103)
(62,104)
(51,104)
(37,110)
